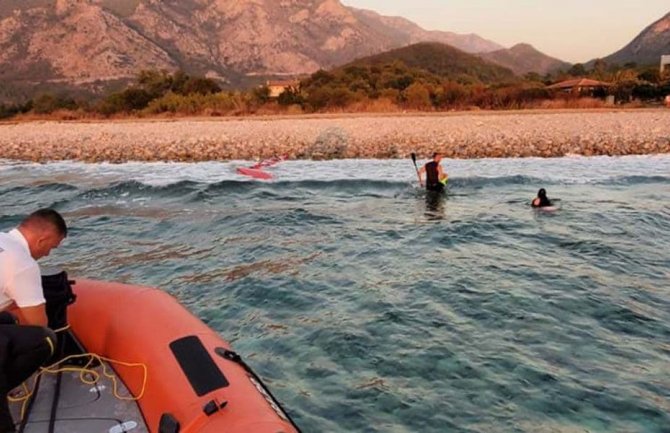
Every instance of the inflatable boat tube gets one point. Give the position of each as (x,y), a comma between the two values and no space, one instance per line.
(195,383)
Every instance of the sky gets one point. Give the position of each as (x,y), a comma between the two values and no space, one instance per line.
(572,30)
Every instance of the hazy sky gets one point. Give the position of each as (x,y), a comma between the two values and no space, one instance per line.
(572,30)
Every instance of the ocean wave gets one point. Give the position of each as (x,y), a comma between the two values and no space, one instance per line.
(375,188)
(634,180)
(133,187)
(39,188)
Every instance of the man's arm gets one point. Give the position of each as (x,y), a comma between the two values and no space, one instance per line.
(36,316)
(26,292)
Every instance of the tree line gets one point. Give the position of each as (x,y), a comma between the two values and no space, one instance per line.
(391,86)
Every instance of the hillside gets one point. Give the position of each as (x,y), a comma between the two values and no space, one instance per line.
(443,61)
(647,47)
(524,58)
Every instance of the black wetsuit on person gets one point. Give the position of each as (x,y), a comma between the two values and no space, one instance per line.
(433,178)
(542,200)
(23,349)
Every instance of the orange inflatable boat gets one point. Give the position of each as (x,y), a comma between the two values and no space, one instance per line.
(192,382)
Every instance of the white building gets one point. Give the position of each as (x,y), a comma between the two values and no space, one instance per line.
(665,61)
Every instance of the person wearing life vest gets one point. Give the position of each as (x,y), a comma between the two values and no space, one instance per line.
(436,178)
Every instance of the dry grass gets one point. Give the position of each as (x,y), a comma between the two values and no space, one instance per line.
(376,106)
(634,104)
(572,103)
(381,105)
(58,115)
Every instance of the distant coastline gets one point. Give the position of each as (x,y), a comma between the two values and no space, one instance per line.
(533,133)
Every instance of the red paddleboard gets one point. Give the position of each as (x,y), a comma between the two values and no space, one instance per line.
(254,172)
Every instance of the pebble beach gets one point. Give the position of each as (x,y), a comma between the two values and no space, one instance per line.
(456,135)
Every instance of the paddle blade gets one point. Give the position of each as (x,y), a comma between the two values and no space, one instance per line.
(414,157)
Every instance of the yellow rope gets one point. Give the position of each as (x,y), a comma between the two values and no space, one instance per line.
(52,347)
(64,328)
(85,370)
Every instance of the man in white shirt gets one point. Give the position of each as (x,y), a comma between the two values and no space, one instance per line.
(20,279)
(25,346)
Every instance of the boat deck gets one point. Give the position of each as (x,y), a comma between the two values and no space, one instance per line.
(80,408)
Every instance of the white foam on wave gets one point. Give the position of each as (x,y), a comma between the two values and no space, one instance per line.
(568,170)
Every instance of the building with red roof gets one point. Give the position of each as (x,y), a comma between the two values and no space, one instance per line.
(580,85)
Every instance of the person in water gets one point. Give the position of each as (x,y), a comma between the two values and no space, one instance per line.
(436,178)
(541,200)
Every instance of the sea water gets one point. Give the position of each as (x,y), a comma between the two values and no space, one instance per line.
(368,306)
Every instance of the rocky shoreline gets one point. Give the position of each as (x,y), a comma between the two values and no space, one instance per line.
(456,135)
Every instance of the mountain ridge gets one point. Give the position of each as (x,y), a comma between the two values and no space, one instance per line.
(441,60)
(471,42)
(647,47)
(81,41)
(524,58)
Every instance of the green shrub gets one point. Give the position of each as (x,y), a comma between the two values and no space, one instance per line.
(202,86)
(48,103)
(390,94)
(261,95)
(157,83)
(332,97)
(417,97)
(195,103)
(451,94)
(127,101)
(291,96)
(7,111)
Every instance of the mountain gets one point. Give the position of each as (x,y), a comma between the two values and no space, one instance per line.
(406,32)
(93,42)
(72,41)
(524,58)
(647,47)
(443,61)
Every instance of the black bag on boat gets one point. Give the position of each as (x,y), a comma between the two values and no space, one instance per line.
(58,294)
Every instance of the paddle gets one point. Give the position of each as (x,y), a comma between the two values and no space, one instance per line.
(269,162)
(416,168)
